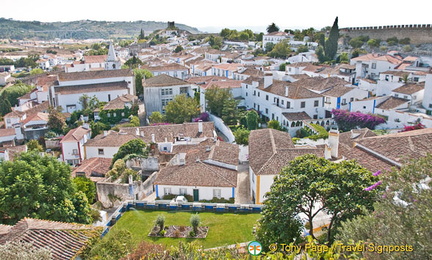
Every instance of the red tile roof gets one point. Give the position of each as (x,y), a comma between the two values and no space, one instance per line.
(75,134)
(64,240)
(94,168)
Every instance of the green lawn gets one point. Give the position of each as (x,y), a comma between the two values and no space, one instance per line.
(224,228)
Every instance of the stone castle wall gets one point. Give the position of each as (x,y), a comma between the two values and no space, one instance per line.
(418,33)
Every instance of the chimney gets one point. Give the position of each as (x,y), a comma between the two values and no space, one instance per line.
(333,140)
(200,126)
(137,133)
(268,78)
(142,133)
(153,138)
(86,126)
(286,91)
(105,133)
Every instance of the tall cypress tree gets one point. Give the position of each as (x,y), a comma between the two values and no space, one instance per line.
(331,44)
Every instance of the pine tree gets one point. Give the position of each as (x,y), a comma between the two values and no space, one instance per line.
(331,44)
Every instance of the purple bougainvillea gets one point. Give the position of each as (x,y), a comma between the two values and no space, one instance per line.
(349,120)
(203,117)
(373,186)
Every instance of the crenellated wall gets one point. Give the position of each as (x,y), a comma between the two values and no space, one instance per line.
(418,33)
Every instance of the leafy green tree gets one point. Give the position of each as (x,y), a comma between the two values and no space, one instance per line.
(181,109)
(111,249)
(15,91)
(156,117)
(120,171)
(141,74)
(252,120)
(225,33)
(87,186)
(160,222)
(5,106)
(272,28)
(133,62)
(230,111)
(34,145)
(401,216)
(269,46)
(97,128)
(215,42)
(134,121)
(87,102)
(309,185)
(241,136)
(343,58)
(405,41)
(280,50)
(373,43)
(36,71)
(274,124)
(302,48)
(356,43)
(331,44)
(178,49)
(56,121)
(215,97)
(392,41)
(135,146)
(40,187)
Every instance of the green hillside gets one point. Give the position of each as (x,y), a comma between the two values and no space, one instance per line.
(84,29)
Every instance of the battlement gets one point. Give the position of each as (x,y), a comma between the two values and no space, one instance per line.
(383,27)
(418,33)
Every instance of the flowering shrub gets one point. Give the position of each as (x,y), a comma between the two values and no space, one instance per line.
(413,127)
(349,120)
(203,117)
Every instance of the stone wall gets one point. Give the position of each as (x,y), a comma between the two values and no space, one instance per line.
(418,33)
(113,194)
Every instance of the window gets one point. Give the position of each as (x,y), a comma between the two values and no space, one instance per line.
(246,94)
(166,91)
(75,151)
(182,191)
(288,105)
(109,97)
(266,97)
(405,96)
(396,95)
(100,151)
(303,104)
(183,90)
(430,105)
(327,100)
(316,103)
(344,101)
(315,116)
(258,94)
(8,120)
(351,99)
(254,93)
(282,102)
(167,191)
(217,193)
(266,110)
(373,65)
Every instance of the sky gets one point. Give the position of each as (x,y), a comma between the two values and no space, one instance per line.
(212,16)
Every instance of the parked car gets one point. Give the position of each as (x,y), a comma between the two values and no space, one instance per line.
(179,199)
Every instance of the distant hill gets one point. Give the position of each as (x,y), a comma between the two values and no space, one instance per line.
(84,29)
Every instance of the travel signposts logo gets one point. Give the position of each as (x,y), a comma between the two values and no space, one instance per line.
(254,248)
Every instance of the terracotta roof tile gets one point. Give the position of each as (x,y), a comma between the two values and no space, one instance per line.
(120,102)
(94,168)
(164,81)
(94,74)
(409,88)
(87,88)
(392,103)
(296,116)
(64,239)
(75,134)
(171,132)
